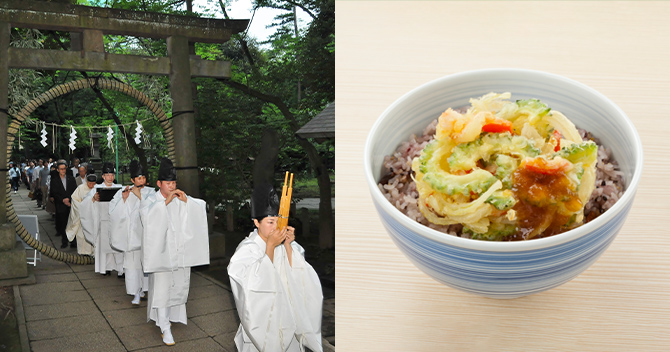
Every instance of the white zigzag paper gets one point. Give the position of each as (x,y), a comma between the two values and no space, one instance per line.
(44,135)
(138,133)
(110,135)
(73,137)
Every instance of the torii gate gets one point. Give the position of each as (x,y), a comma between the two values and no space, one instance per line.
(87,26)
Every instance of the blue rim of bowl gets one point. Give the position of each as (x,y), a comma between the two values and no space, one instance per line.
(517,246)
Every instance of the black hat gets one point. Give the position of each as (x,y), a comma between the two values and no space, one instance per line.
(136,169)
(166,171)
(264,202)
(90,174)
(108,168)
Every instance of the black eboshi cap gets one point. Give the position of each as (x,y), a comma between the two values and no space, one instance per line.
(108,168)
(264,202)
(136,169)
(166,171)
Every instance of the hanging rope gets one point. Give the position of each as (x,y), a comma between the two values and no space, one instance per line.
(85,127)
(90,136)
(125,138)
(167,118)
(141,132)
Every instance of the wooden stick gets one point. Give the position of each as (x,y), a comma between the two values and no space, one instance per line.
(285,202)
(289,193)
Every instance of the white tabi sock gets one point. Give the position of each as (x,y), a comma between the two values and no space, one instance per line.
(167,337)
(136,299)
(164,323)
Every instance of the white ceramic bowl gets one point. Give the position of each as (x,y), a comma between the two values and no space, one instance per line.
(504,269)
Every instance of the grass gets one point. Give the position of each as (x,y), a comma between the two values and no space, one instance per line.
(309,187)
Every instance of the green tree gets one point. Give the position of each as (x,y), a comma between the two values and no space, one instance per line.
(272,77)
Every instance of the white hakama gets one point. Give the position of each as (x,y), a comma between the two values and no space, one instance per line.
(279,305)
(175,238)
(73,229)
(95,224)
(126,236)
(136,279)
(171,294)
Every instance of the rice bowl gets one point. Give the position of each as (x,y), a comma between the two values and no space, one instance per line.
(503,269)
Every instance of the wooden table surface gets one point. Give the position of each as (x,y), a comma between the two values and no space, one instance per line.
(385,49)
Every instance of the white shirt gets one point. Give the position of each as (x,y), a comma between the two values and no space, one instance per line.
(36,172)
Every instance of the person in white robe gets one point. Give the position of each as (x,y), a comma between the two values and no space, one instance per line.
(126,230)
(277,293)
(175,238)
(94,215)
(73,229)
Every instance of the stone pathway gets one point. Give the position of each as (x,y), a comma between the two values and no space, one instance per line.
(72,308)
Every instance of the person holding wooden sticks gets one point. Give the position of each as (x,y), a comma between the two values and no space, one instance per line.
(285,202)
(277,293)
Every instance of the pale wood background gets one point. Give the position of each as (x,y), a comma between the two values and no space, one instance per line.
(385,49)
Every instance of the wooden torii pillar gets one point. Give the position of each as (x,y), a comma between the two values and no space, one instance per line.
(88,25)
(4,102)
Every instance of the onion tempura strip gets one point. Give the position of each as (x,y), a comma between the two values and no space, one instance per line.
(442,212)
(561,123)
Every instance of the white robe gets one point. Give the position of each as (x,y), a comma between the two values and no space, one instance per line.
(174,239)
(126,235)
(73,229)
(279,305)
(95,223)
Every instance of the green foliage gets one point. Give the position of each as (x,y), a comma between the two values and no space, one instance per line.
(231,129)
(171,6)
(21,82)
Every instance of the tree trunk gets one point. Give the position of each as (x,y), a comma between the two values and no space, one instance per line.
(326,218)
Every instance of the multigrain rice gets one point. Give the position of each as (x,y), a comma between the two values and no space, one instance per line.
(399,188)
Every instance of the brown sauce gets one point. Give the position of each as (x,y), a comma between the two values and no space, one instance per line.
(545,203)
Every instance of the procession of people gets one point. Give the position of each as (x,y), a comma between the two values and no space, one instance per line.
(152,237)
